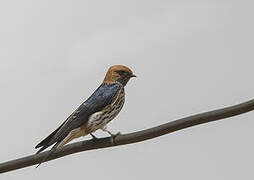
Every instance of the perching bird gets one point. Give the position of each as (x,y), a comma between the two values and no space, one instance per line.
(95,113)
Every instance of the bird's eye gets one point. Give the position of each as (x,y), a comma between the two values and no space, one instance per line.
(122,73)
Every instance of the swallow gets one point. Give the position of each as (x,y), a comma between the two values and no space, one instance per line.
(95,113)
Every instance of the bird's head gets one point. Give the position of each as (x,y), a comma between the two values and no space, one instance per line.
(118,73)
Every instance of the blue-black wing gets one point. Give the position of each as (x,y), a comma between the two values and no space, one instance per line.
(103,96)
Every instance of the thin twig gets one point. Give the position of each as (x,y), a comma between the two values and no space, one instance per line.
(132,137)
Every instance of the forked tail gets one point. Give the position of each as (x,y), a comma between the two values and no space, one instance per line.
(54,148)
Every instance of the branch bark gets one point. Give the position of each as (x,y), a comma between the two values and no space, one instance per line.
(131,137)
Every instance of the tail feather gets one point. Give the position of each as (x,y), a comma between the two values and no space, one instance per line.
(48,141)
(45,141)
(51,139)
(42,148)
(54,148)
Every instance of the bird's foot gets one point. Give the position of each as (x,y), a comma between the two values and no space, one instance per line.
(113,137)
(94,137)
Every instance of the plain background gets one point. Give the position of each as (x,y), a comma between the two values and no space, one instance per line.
(189,56)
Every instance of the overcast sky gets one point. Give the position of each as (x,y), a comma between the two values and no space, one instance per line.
(189,56)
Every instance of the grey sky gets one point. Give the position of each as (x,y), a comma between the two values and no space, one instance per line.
(189,56)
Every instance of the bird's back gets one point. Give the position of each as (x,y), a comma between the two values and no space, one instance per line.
(103,97)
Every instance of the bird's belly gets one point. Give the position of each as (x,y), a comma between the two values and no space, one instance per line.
(100,119)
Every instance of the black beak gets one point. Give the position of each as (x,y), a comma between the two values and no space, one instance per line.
(133,75)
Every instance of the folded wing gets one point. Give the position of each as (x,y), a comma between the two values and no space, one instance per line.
(102,97)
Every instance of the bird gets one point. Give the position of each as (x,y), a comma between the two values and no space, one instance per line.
(95,113)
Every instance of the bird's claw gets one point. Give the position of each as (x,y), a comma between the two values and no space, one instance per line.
(94,137)
(113,137)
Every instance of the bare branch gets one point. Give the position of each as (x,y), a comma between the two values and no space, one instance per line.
(132,137)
